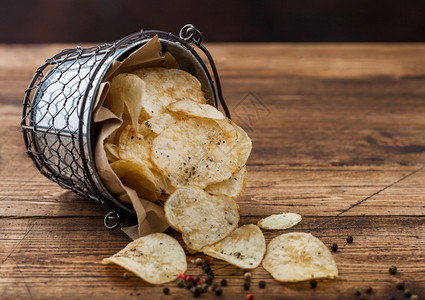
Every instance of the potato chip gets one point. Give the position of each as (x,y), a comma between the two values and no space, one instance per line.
(165,86)
(281,221)
(243,145)
(135,147)
(201,218)
(160,122)
(298,256)
(137,177)
(244,248)
(132,92)
(194,152)
(156,258)
(194,109)
(112,152)
(231,187)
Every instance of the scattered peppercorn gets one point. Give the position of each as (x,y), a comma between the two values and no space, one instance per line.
(414,297)
(369,289)
(350,239)
(250,297)
(407,292)
(334,247)
(400,285)
(246,285)
(189,285)
(357,291)
(209,280)
(392,270)
(166,291)
(199,261)
(126,275)
(206,267)
(182,276)
(247,276)
(262,284)
(180,282)
(196,292)
(189,278)
(210,273)
(313,283)
(197,278)
(209,259)
(214,287)
(223,282)
(218,291)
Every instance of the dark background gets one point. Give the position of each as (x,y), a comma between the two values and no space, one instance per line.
(219,21)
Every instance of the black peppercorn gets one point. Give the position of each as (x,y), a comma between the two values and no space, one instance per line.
(369,289)
(209,280)
(392,270)
(400,285)
(223,282)
(334,247)
(218,291)
(189,285)
(313,283)
(246,285)
(407,292)
(262,284)
(350,239)
(214,287)
(166,291)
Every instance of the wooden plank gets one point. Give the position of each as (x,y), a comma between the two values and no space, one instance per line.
(338,137)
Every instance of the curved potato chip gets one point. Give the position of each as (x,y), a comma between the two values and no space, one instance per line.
(135,147)
(165,86)
(298,256)
(281,221)
(137,177)
(132,91)
(201,218)
(156,258)
(160,122)
(231,187)
(194,152)
(194,109)
(243,145)
(244,248)
(112,152)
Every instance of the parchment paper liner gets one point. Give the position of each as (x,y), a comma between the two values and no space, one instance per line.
(150,216)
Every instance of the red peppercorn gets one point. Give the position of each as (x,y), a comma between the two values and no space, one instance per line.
(250,297)
(189,278)
(209,259)
(181,276)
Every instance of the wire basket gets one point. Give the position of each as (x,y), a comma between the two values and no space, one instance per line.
(57,120)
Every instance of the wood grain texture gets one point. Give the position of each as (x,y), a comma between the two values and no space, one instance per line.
(338,136)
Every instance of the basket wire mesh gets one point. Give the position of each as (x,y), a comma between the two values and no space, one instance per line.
(57,113)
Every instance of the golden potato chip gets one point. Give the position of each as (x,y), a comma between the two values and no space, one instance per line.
(244,248)
(231,187)
(194,152)
(194,109)
(160,122)
(243,145)
(138,177)
(164,86)
(280,221)
(298,256)
(156,258)
(135,147)
(132,92)
(201,218)
(112,152)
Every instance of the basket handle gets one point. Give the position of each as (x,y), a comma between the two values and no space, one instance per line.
(190,34)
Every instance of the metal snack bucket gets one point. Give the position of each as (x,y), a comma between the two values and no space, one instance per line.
(57,110)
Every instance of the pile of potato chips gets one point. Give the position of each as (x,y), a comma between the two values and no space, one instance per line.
(175,148)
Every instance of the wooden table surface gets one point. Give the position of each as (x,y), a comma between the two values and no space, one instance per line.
(338,136)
